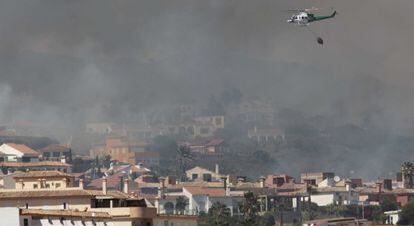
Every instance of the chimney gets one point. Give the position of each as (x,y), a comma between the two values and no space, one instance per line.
(241,179)
(104,184)
(39,183)
(262,181)
(217,169)
(387,184)
(65,182)
(126,189)
(21,184)
(224,179)
(379,186)
(162,187)
(347,185)
(81,183)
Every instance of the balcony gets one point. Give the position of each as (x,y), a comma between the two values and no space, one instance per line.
(129,212)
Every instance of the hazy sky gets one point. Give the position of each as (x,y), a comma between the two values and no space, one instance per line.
(91,60)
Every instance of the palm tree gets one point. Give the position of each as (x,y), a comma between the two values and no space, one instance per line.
(180,204)
(310,190)
(218,215)
(249,207)
(407,170)
(184,159)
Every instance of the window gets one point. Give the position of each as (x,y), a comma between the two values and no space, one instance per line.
(218,121)
(207,177)
(57,185)
(47,185)
(56,154)
(64,205)
(26,222)
(205,130)
(35,186)
(27,205)
(165,223)
(194,176)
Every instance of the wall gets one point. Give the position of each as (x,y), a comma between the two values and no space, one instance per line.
(175,220)
(48,203)
(9,216)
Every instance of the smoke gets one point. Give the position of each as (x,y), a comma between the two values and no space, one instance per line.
(65,63)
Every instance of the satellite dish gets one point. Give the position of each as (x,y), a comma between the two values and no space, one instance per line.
(337,179)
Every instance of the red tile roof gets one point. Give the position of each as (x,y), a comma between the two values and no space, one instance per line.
(212,192)
(55,147)
(42,174)
(35,164)
(23,149)
(65,213)
(112,181)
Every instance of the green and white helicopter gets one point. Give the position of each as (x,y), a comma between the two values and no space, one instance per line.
(304,17)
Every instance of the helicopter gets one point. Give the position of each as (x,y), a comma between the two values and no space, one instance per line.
(304,17)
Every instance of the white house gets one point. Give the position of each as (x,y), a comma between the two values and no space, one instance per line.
(392,217)
(201,174)
(327,195)
(18,153)
(202,198)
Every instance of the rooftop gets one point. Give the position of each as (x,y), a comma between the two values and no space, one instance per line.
(23,149)
(53,193)
(55,147)
(65,213)
(35,164)
(41,174)
(212,192)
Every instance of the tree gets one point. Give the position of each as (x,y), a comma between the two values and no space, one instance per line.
(407,214)
(107,161)
(165,145)
(311,190)
(218,215)
(249,208)
(181,204)
(184,159)
(407,170)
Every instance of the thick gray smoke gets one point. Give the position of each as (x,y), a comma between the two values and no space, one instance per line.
(68,62)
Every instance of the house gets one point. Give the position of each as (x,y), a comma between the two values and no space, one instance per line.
(315,178)
(9,167)
(132,171)
(266,136)
(212,146)
(56,152)
(148,158)
(115,182)
(126,152)
(202,174)
(203,126)
(324,196)
(183,220)
(348,221)
(25,217)
(278,180)
(256,111)
(202,198)
(40,180)
(18,153)
(392,217)
(99,128)
(122,209)
(144,133)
